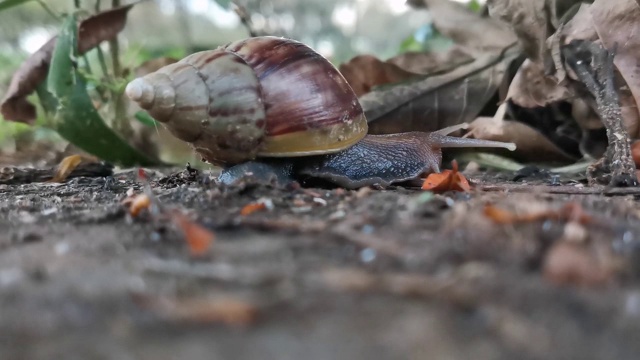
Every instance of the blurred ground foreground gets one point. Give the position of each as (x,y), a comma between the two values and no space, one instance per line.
(550,273)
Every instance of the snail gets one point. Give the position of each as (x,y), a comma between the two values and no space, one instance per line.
(276,109)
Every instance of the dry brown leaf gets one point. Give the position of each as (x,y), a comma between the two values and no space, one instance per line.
(364,72)
(531,87)
(66,166)
(617,23)
(530,21)
(432,62)
(579,27)
(92,31)
(610,23)
(437,101)
(531,145)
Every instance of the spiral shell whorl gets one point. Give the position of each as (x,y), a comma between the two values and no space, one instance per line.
(311,109)
(262,96)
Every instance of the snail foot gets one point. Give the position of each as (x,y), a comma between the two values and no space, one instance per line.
(275,173)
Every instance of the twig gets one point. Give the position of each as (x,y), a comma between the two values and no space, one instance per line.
(20,175)
(245,18)
(593,65)
(565,189)
(121,122)
(48,9)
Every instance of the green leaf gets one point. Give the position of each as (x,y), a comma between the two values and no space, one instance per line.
(410,44)
(80,124)
(76,119)
(6,4)
(62,71)
(474,5)
(146,119)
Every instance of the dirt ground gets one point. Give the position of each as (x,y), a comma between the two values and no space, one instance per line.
(324,274)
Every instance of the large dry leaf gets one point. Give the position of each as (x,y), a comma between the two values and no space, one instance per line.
(437,101)
(531,87)
(610,22)
(432,62)
(465,27)
(531,145)
(33,71)
(533,21)
(530,21)
(365,72)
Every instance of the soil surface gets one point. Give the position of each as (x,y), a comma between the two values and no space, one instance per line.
(538,268)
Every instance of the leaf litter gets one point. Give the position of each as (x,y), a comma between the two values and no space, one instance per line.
(516,266)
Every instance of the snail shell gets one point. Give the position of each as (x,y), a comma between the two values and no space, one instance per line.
(259,97)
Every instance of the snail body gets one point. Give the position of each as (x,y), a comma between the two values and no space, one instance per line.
(269,105)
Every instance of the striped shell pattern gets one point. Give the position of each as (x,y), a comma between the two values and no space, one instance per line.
(259,97)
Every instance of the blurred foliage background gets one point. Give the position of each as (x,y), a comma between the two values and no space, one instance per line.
(338,29)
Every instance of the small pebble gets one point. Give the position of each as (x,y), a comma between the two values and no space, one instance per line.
(10,276)
(320,201)
(338,215)
(61,248)
(632,304)
(49,211)
(155,236)
(268,203)
(368,255)
(368,229)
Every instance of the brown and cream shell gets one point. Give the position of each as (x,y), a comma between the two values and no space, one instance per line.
(259,97)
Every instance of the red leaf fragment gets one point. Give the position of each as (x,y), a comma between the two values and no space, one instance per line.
(252,207)
(198,238)
(447,180)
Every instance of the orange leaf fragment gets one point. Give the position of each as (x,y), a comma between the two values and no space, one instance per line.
(66,166)
(447,180)
(252,207)
(500,216)
(139,203)
(227,310)
(198,238)
(569,212)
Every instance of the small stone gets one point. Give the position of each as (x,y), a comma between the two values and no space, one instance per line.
(61,248)
(368,255)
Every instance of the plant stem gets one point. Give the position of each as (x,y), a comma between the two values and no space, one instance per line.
(48,9)
(121,123)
